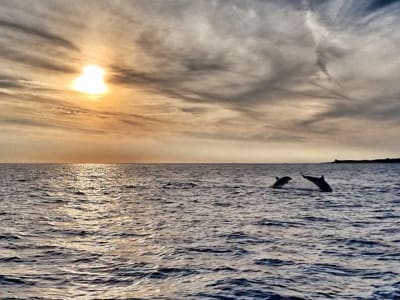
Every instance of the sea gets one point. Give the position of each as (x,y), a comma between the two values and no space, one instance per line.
(199,231)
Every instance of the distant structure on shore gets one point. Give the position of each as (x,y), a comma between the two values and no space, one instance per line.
(376,161)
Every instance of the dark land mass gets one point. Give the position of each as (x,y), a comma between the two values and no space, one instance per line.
(379,161)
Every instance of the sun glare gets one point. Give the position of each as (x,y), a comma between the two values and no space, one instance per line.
(91,81)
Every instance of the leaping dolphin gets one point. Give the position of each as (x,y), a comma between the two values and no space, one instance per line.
(319,182)
(280,182)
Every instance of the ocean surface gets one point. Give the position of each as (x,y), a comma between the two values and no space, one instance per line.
(199,232)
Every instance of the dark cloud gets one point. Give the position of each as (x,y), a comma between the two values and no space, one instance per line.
(380,4)
(195,110)
(202,65)
(10,82)
(32,60)
(167,84)
(371,110)
(39,33)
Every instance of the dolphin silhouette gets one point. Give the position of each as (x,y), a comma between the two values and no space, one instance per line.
(280,182)
(319,182)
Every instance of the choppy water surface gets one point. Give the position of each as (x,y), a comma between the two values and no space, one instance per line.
(198,232)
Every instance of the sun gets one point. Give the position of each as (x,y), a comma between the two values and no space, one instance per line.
(91,81)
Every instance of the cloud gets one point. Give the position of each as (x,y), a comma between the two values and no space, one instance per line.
(48,64)
(10,82)
(39,33)
(61,114)
(21,122)
(258,138)
(216,63)
(272,71)
(380,4)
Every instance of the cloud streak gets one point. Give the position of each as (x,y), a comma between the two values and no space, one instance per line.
(38,33)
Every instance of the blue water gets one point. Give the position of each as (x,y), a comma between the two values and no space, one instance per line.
(199,232)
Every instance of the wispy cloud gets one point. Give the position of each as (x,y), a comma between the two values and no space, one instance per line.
(46,36)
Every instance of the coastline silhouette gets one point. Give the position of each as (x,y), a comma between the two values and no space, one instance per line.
(369,161)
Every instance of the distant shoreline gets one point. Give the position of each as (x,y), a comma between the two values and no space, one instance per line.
(371,161)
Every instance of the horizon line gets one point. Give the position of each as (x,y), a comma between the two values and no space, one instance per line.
(159,163)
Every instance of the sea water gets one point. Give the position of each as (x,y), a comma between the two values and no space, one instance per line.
(199,232)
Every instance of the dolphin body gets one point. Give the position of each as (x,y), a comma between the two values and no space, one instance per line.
(280,182)
(319,182)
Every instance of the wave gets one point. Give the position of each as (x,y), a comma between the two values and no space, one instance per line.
(13,280)
(273,262)
(179,185)
(278,223)
(243,288)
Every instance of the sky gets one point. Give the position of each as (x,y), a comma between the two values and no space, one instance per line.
(200,81)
